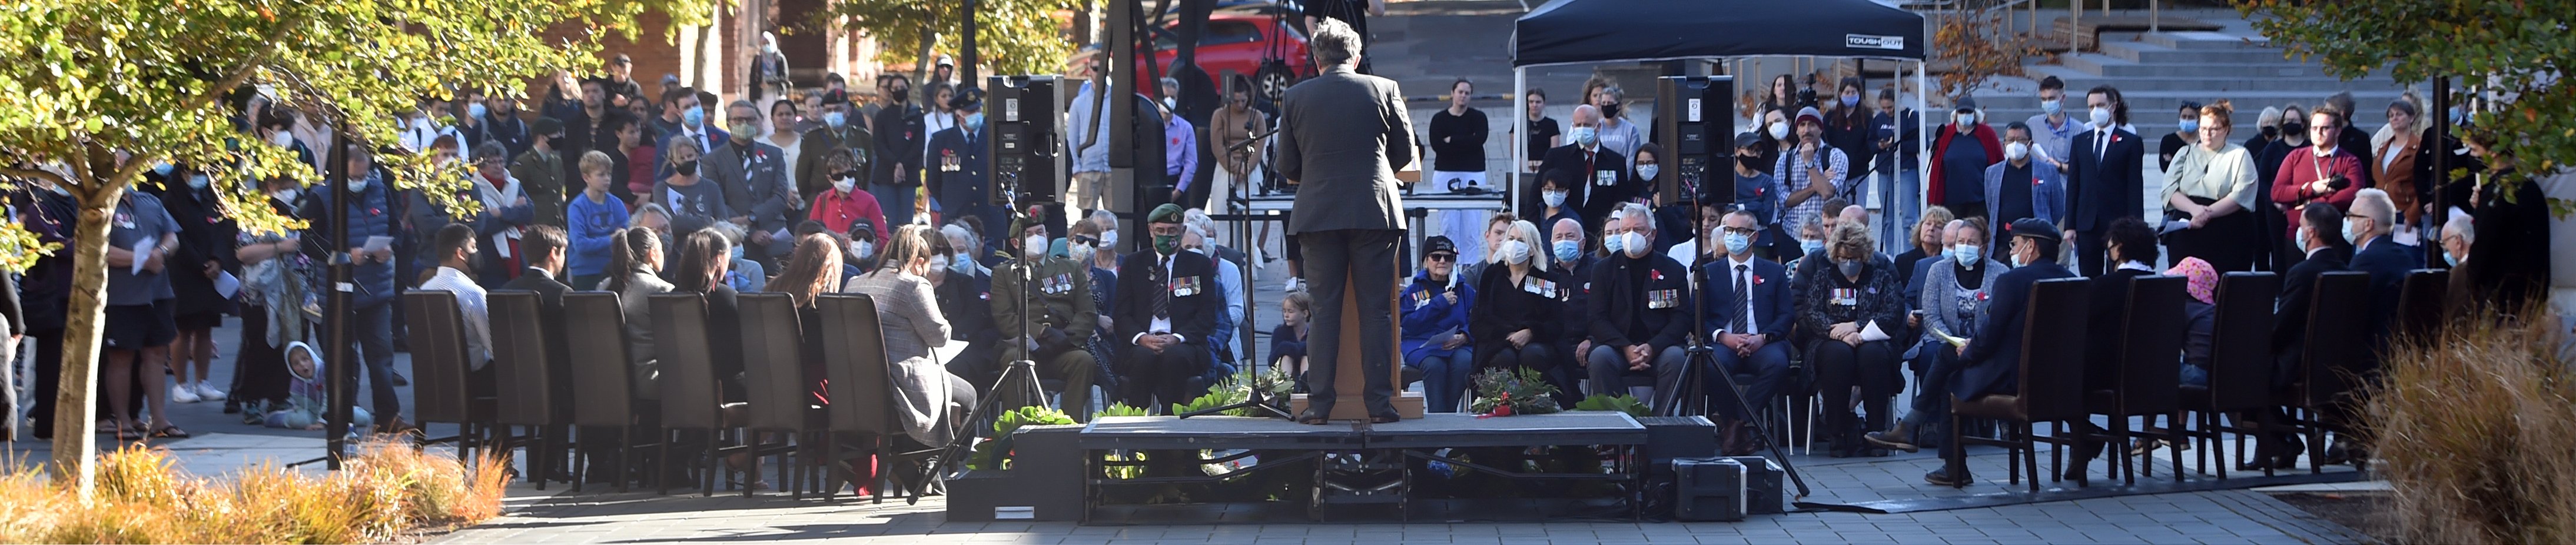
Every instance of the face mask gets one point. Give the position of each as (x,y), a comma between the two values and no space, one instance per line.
(1567,250)
(900,94)
(1611,243)
(2459,116)
(1648,171)
(2190,125)
(2271,133)
(961,265)
(1034,243)
(282,139)
(1166,244)
(2102,117)
(1080,252)
(2016,151)
(2052,107)
(358,185)
(1611,110)
(736,252)
(1850,269)
(1108,239)
(1555,199)
(1737,243)
(2453,260)
(198,181)
(1779,131)
(1514,251)
(1964,120)
(476,111)
(835,119)
(1169,104)
(2019,262)
(845,184)
(692,117)
(975,121)
(742,132)
(60,191)
(1586,136)
(2301,239)
(865,249)
(163,168)
(1851,100)
(1634,243)
(2351,233)
(1965,254)
(686,168)
(939,263)
(1750,162)
(1811,246)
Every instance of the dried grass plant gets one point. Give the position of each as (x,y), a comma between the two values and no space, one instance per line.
(2476,423)
(383,492)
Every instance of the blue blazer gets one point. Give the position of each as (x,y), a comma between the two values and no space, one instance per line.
(1993,358)
(2387,262)
(1771,303)
(2047,192)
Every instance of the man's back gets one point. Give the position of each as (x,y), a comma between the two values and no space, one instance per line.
(1344,136)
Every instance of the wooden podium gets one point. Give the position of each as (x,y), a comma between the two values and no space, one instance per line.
(1350,384)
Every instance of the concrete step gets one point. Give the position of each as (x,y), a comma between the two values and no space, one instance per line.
(2212,85)
(2204,40)
(2143,52)
(2110,66)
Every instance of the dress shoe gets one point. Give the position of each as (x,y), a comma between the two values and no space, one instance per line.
(1900,437)
(399,381)
(1316,415)
(2337,453)
(1939,477)
(2076,473)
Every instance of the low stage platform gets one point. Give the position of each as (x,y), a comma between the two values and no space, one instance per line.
(1570,464)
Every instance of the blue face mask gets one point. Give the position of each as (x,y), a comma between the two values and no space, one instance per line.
(1815,247)
(1610,243)
(835,119)
(2349,234)
(975,121)
(1851,100)
(692,117)
(1586,136)
(2190,125)
(1737,243)
(475,111)
(2448,258)
(1965,254)
(2052,107)
(737,252)
(1567,250)
(162,168)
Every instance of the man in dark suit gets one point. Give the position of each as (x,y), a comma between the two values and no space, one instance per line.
(2107,180)
(544,247)
(753,175)
(1163,321)
(899,135)
(1636,312)
(1601,171)
(2387,262)
(1342,135)
(2326,252)
(1991,361)
(957,168)
(1748,306)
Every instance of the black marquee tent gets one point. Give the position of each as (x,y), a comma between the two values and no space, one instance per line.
(1602,31)
(1586,31)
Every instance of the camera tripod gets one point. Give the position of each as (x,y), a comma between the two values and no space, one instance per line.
(1690,397)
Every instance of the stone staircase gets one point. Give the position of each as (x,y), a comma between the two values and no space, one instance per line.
(2157,71)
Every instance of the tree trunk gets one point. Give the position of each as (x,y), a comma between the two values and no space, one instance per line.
(75,444)
(921,66)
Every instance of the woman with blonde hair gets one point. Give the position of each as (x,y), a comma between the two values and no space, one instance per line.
(1515,318)
(2210,188)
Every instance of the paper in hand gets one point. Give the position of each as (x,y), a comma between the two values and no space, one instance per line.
(1947,338)
(141,247)
(226,284)
(378,244)
(1871,332)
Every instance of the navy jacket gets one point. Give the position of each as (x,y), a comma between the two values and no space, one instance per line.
(373,216)
(957,170)
(1771,303)
(1993,357)
(2387,262)
(2105,187)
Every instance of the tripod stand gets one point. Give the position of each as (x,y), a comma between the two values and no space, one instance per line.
(1690,395)
(1241,237)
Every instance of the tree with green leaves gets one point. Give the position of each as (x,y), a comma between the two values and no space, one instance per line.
(105,89)
(1016,36)
(2514,53)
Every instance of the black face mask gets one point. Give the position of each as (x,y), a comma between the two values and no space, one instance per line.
(1750,162)
(686,168)
(2271,132)
(2294,128)
(1611,110)
(900,95)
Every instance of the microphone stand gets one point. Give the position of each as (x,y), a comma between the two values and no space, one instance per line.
(1690,397)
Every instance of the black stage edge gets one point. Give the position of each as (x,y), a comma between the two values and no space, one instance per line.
(2197,483)
(1361,454)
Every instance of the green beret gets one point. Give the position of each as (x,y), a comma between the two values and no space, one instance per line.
(1167,213)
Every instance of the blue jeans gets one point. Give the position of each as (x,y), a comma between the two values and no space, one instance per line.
(372,329)
(1444,378)
(2194,375)
(897,202)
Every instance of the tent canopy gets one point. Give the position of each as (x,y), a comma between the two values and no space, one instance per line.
(1589,31)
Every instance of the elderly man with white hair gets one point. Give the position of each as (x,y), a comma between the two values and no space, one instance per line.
(1638,314)
(1599,169)
(2367,226)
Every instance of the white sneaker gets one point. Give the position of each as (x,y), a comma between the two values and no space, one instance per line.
(208,392)
(183,393)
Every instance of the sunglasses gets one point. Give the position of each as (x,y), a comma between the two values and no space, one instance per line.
(1440,257)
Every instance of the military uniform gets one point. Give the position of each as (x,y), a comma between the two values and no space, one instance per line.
(1063,315)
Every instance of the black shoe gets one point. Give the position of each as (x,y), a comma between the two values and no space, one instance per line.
(400,381)
(1316,415)
(232,406)
(1942,478)
(1409,375)
(1899,438)
(2076,473)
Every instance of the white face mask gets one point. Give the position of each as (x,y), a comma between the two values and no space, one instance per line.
(938,263)
(2102,117)
(1779,131)
(863,248)
(283,139)
(2016,151)
(1513,251)
(1108,239)
(1964,119)
(845,184)
(1555,199)
(1080,252)
(1634,243)
(1033,245)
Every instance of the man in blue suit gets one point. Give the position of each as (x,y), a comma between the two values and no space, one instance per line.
(2367,225)
(2107,178)
(1748,307)
(1991,361)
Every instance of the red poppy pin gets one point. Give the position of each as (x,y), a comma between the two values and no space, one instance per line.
(1658,275)
(1981,296)
(1757,280)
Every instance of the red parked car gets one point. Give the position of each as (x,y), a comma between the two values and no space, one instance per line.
(1266,48)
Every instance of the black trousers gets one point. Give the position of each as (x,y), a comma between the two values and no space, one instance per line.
(1353,259)
(259,370)
(1839,367)
(48,377)
(1167,378)
(2089,255)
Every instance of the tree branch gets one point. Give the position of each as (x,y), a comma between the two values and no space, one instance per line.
(56,179)
(241,73)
